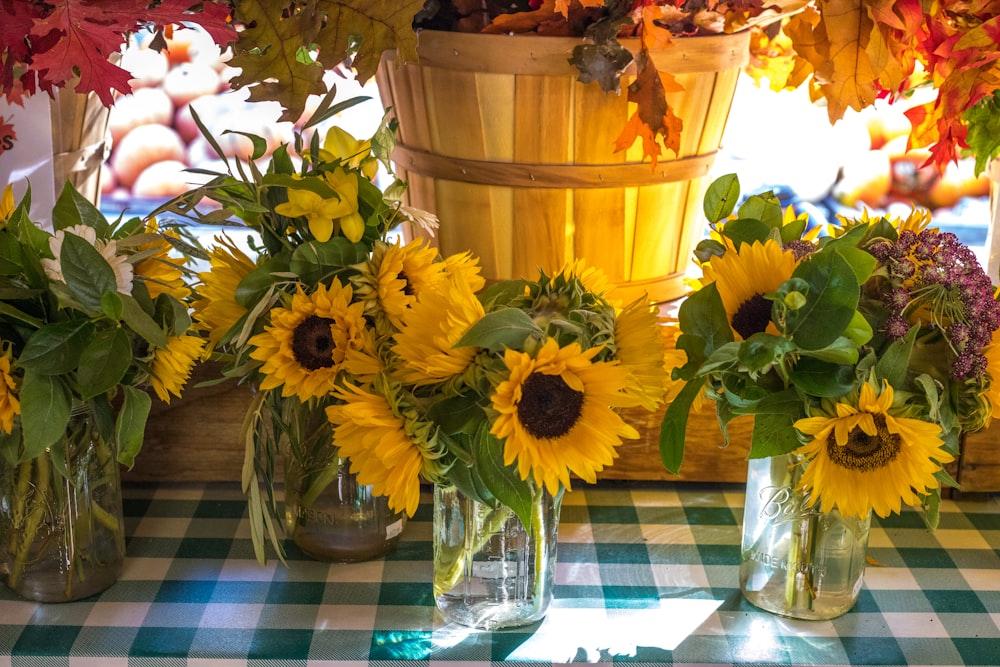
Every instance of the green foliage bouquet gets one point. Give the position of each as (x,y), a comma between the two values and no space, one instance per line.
(92,314)
(865,351)
(296,315)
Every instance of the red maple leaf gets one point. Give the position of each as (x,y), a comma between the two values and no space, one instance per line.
(7,135)
(76,37)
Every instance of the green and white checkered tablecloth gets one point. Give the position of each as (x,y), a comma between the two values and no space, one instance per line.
(647,573)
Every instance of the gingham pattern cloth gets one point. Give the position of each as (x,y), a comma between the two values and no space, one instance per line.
(647,573)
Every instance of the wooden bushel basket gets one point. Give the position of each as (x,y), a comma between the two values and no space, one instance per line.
(516,157)
(79,141)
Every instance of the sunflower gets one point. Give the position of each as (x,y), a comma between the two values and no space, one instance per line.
(593,279)
(743,276)
(425,345)
(161,273)
(468,265)
(370,432)
(864,457)
(393,278)
(640,350)
(171,366)
(305,346)
(215,308)
(9,405)
(556,413)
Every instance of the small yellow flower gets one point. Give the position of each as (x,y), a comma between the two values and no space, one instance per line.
(319,212)
(339,144)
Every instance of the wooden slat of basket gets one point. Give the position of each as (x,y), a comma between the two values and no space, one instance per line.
(599,215)
(540,240)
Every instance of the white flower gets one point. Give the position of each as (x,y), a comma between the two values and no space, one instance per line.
(108,249)
(423,219)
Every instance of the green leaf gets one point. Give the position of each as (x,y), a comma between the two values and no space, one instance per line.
(702,314)
(111,305)
(28,233)
(140,322)
(130,426)
(773,430)
(861,261)
(56,348)
(464,478)
(72,208)
(256,284)
(721,197)
(258,142)
(763,207)
(104,362)
(983,121)
(894,363)
(762,350)
(314,261)
(87,274)
(505,328)
(822,379)
(843,351)
(673,429)
(793,230)
(457,414)
(746,230)
(45,408)
(11,255)
(830,303)
(503,482)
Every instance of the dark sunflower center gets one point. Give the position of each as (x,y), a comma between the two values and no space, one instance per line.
(864,452)
(752,316)
(312,343)
(407,289)
(548,407)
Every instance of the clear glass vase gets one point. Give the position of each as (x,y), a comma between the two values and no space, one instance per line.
(328,514)
(795,560)
(490,570)
(61,524)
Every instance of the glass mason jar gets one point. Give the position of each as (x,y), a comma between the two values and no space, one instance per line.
(328,514)
(490,570)
(61,524)
(795,560)
(331,517)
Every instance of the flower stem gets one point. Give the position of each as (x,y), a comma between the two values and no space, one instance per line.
(34,517)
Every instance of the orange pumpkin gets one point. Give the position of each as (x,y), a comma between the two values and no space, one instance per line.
(143,146)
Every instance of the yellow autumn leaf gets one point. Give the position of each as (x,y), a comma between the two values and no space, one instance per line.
(848,76)
(276,54)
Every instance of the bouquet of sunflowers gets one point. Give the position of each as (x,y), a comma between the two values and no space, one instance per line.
(298,314)
(502,395)
(92,314)
(865,351)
